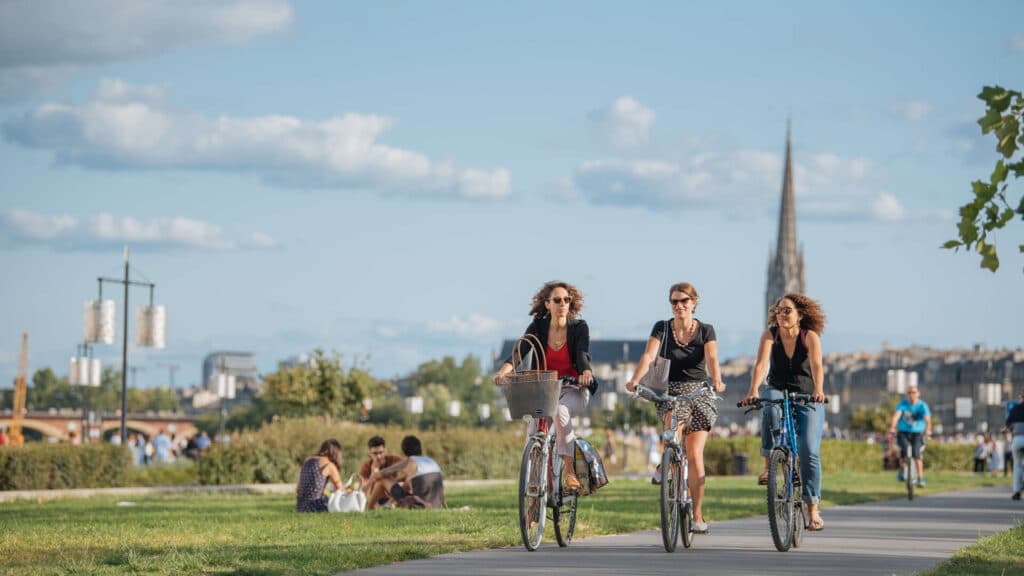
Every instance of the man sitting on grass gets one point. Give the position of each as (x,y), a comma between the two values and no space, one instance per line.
(414,482)
(378,459)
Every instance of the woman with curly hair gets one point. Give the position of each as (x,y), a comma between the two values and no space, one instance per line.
(566,342)
(791,346)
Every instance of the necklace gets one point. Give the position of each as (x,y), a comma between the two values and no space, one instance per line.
(683,337)
(556,339)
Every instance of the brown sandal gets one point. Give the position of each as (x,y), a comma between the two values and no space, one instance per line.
(762,480)
(816,525)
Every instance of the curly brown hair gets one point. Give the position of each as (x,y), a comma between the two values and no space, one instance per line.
(812,317)
(537,308)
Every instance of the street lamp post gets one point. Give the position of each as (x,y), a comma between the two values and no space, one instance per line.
(99,328)
(84,372)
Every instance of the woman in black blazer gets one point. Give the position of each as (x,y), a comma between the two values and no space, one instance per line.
(566,342)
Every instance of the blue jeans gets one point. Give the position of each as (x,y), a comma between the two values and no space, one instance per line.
(809,421)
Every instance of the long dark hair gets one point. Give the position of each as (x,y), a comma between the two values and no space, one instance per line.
(331,449)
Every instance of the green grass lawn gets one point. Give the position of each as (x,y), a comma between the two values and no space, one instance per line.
(998,555)
(241,534)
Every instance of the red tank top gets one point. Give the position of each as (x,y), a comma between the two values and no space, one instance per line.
(559,360)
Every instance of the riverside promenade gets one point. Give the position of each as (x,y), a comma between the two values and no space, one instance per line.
(880,538)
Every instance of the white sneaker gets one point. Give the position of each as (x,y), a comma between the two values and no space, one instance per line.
(699,527)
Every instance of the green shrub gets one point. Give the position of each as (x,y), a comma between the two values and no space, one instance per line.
(274,453)
(57,466)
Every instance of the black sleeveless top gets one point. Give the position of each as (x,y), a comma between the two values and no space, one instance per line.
(791,374)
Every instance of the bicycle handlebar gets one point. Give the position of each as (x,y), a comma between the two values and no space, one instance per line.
(758,403)
(645,393)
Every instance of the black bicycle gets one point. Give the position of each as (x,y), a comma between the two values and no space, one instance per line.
(786,514)
(676,504)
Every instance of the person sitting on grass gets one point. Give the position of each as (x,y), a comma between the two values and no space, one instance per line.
(378,458)
(317,471)
(414,482)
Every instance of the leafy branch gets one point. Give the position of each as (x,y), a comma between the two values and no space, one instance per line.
(991,209)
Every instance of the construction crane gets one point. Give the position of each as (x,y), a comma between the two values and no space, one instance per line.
(18,409)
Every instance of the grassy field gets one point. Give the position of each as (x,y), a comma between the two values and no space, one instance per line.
(998,555)
(260,535)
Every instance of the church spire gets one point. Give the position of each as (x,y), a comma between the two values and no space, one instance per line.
(786,247)
(786,262)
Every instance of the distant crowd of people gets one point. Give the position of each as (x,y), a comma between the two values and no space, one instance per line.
(165,449)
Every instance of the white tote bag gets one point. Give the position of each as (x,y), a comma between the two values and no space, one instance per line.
(354,501)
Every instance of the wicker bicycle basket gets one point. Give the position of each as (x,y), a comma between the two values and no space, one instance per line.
(531,392)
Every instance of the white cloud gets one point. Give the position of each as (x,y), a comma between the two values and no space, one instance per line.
(66,232)
(58,32)
(913,111)
(471,327)
(886,207)
(1017,43)
(828,186)
(127,127)
(625,123)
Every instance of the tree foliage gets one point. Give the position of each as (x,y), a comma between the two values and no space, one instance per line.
(874,419)
(322,387)
(51,391)
(991,208)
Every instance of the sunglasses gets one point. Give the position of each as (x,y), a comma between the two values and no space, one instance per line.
(678,301)
(783,310)
(558,300)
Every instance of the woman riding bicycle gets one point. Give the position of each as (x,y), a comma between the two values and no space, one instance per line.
(792,347)
(566,342)
(692,349)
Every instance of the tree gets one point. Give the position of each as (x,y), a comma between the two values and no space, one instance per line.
(991,209)
(49,391)
(874,419)
(324,387)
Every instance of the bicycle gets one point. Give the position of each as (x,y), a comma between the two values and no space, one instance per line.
(675,474)
(785,505)
(540,474)
(909,468)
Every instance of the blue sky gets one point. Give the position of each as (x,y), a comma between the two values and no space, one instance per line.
(393,180)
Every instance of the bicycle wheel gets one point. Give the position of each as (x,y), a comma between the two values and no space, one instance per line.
(780,505)
(799,508)
(909,471)
(564,517)
(685,506)
(670,475)
(532,494)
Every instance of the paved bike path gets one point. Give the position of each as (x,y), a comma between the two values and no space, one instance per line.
(893,537)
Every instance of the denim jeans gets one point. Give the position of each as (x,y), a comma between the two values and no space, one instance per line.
(1018,463)
(809,421)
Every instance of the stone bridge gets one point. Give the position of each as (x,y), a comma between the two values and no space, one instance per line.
(59,424)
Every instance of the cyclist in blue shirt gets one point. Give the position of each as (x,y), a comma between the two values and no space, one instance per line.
(911,420)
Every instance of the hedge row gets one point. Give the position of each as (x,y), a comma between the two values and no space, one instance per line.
(273,454)
(48,466)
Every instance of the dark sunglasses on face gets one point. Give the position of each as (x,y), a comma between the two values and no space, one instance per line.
(677,301)
(783,310)
(557,300)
